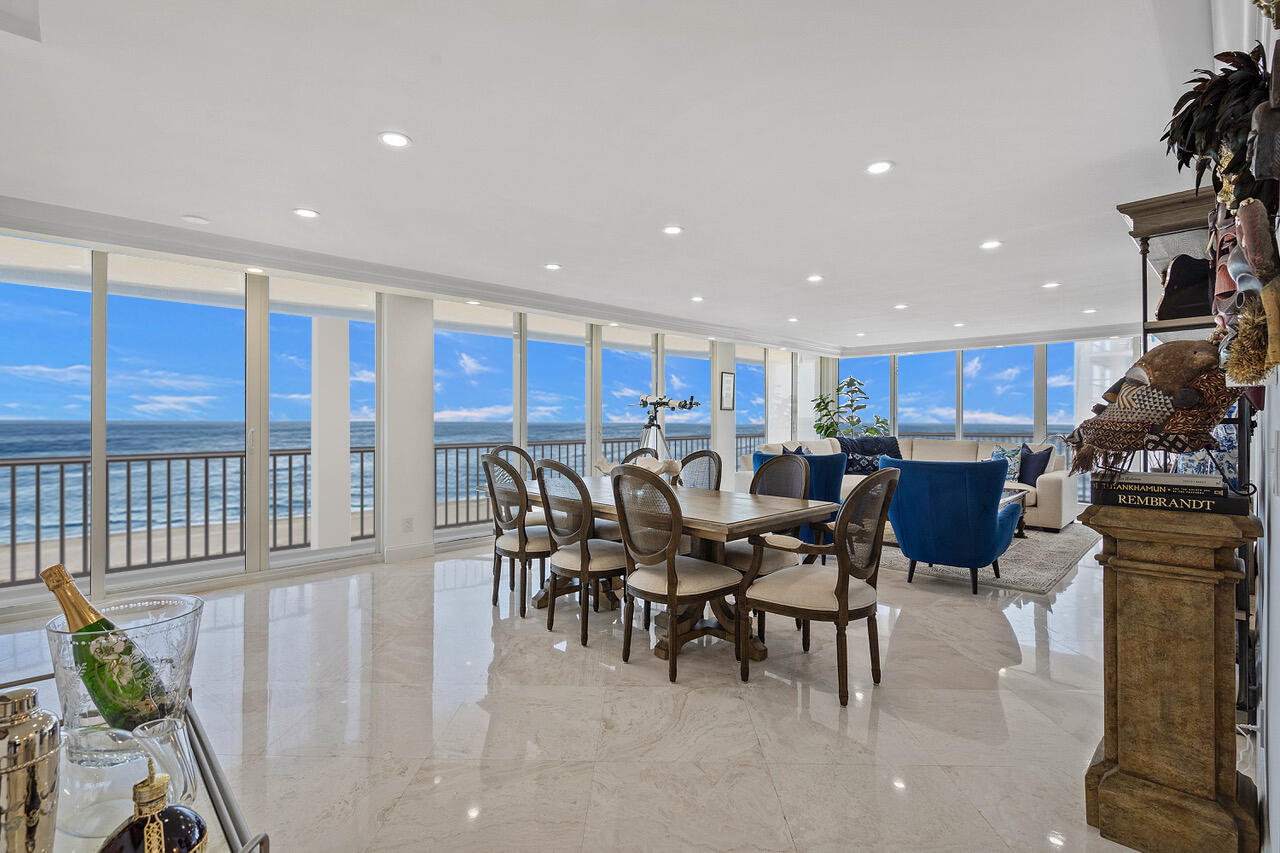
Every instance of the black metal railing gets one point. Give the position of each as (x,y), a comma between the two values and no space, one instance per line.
(460,502)
(162,508)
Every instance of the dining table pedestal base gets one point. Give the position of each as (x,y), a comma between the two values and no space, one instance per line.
(722,624)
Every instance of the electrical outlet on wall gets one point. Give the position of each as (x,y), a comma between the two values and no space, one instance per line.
(406,526)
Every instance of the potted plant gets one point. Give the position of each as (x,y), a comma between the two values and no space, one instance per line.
(840,415)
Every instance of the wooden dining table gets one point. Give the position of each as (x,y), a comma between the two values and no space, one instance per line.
(711,518)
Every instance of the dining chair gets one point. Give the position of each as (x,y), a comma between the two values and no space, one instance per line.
(700,470)
(651,530)
(836,594)
(785,476)
(522,460)
(575,554)
(514,538)
(637,453)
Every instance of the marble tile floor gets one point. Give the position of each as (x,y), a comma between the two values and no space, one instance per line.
(390,707)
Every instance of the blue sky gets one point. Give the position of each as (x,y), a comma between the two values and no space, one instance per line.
(165,360)
(179,361)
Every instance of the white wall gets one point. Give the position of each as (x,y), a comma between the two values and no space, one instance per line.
(406,448)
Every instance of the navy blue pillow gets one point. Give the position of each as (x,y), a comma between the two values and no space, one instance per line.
(1033,464)
(876,445)
(799,451)
(863,463)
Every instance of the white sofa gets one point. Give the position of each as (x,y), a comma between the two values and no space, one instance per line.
(1051,503)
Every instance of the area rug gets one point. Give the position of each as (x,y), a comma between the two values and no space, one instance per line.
(1034,564)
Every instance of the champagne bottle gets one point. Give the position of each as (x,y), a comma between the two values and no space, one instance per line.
(119,678)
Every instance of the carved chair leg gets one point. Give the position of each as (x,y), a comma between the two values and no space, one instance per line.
(542,571)
(626,627)
(804,636)
(911,571)
(744,621)
(760,625)
(598,589)
(511,579)
(551,602)
(497,575)
(873,640)
(673,640)
(585,585)
(842,663)
(524,584)
(646,615)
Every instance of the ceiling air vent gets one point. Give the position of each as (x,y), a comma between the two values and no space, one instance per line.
(21,17)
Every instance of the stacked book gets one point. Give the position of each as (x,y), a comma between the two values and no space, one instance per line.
(1182,492)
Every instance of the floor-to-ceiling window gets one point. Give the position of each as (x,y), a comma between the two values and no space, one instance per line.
(175,412)
(872,372)
(808,387)
(473,404)
(44,409)
(556,390)
(688,373)
(927,394)
(626,372)
(998,396)
(748,400)
(320,467)
(1060,384)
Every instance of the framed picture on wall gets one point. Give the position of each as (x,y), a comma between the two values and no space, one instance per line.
(726,392)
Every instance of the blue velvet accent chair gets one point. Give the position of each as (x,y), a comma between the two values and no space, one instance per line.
(947,513)
(826,471)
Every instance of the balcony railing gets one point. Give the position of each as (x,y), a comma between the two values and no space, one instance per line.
(162,509)
(458,476)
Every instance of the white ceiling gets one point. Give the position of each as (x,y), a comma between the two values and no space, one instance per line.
(571,131)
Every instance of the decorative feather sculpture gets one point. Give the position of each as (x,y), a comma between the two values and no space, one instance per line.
(1211,122)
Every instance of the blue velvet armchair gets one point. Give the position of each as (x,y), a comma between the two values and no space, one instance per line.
(948,513)
(825,474)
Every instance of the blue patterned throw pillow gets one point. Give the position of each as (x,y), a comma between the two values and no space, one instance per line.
(799,451)
(1011,455)
(863,463)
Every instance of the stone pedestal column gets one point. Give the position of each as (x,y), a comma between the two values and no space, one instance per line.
(1164,776)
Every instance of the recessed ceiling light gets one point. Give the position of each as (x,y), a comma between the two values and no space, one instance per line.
(305,212)
(695,298)
(899,784)
(192,219)
(879,167)
(1052,284)
(793,319)
(394,139)
(992,244)
(899,307)
(551,266)
(673,229)
(613,324)
(784,349)
(1091,310)
(861,335)
(254,270)
(957,325)
(472,302)
(711,337)
(814,279)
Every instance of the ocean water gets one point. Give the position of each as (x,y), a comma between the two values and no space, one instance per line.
(178,492)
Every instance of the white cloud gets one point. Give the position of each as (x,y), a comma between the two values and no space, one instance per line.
(757,401)
(1061,380)
(297,398)
(545,397)
(972,367)
(981,417)
(73,373)
(479,413)
(296,361)
(677,384)
(1062,416)
(544,413)
(169,380)
(471,366)
(624,392)
(688,416)
(362,376)
(364,413)
(164,404)
(1007,375)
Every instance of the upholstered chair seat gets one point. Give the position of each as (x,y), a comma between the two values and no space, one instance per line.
(810,587)
(693,577)
(606,557)
(536,538)
(740,553)
(606,529)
